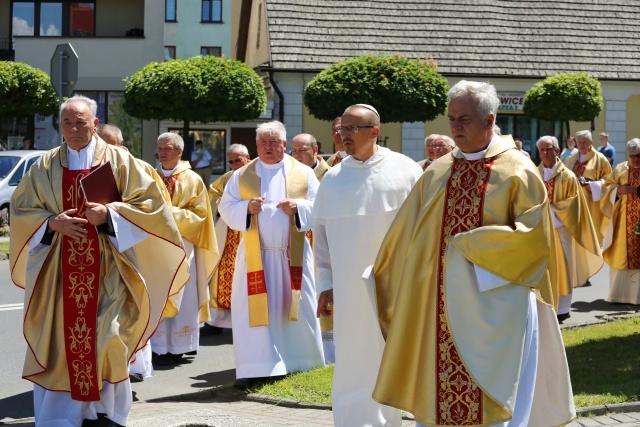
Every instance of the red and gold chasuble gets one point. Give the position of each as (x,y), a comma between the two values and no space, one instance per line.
(633,216)
(81,284)
(337,160)
(459,399)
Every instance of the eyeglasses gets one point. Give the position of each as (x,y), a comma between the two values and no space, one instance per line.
(352,128)
(635,156)
(232,162)
(433,147)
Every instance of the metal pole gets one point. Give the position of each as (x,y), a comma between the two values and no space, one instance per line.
(60,97)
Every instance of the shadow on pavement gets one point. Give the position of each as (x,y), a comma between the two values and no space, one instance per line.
(224,338)
(611,309)
(18,406)
(213,379)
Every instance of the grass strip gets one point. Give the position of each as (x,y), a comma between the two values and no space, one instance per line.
(604,361)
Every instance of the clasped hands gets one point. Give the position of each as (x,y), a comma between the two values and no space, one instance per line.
(288,206)
(74,227)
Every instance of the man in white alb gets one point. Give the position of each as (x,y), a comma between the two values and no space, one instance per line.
(357,201)
(273,297)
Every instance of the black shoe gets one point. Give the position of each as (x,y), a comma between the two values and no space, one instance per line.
(163,360)
(177,358)
(136,378)
(191,353)
(587,283)
(103,421)
(245,383)
(209,330)
(563,317)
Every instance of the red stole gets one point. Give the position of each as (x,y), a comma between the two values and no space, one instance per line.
(633,216)
(550,186)
(579,168)
(337,160)
(459,399)
(226,268)
(81,285)
(170,183)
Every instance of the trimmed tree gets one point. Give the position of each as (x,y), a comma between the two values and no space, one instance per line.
(566,97)
(199,89)
(25,91)
(401,89)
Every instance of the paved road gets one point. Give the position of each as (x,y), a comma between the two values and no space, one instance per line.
(214,366)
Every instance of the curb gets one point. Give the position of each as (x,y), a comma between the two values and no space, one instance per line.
(227,394)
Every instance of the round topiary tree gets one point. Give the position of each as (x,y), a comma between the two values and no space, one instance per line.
(565,97)
(199,89)
(25,91)
(401,89)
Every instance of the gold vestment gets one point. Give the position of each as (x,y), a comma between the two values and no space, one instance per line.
(435,319)
(191,210)
(134,284)
(595,167)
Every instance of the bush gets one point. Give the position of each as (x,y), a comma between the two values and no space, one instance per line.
(25,91)
(401,89)
(565,97)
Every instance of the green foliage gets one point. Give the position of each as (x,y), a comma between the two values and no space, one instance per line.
(25,91)
(401,89)
(565,97)
(202,89)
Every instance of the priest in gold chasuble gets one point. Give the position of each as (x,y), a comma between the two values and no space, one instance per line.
(273,298)
(86,270)
(178,333)
(228,241)
(579,252)
(587,163)
(462,286)
(621,208)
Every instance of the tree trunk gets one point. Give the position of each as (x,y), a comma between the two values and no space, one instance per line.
(188,145)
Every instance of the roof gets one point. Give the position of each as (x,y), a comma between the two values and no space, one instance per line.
(511,38)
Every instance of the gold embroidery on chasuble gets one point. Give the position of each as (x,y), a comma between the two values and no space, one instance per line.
(81,282)
(459,399)
(226,268)
(550,186)
(337,160)
(579,168)
(633,216)
(170,183)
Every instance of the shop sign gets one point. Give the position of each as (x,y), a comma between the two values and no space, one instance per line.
(511,101)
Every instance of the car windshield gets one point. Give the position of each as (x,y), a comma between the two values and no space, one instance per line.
(7,163)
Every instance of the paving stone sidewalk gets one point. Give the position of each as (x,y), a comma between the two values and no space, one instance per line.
(256,411)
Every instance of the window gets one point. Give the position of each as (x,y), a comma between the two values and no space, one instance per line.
(169,52)
(211,10)
(170,10)
(44,18)
(82,19)
(211,50)
(213,141)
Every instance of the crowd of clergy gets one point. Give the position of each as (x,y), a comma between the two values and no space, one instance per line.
(268,247)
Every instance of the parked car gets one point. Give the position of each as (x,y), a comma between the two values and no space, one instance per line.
(13,165)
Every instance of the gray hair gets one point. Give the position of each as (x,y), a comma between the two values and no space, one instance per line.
(553,139)
(484,93)
(447,140)
(274,127)
(93,107)
(585,133)
(238,148)
(177,140)
(633,146)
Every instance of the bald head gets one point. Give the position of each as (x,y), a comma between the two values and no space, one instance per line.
(304,148)
(111,134)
